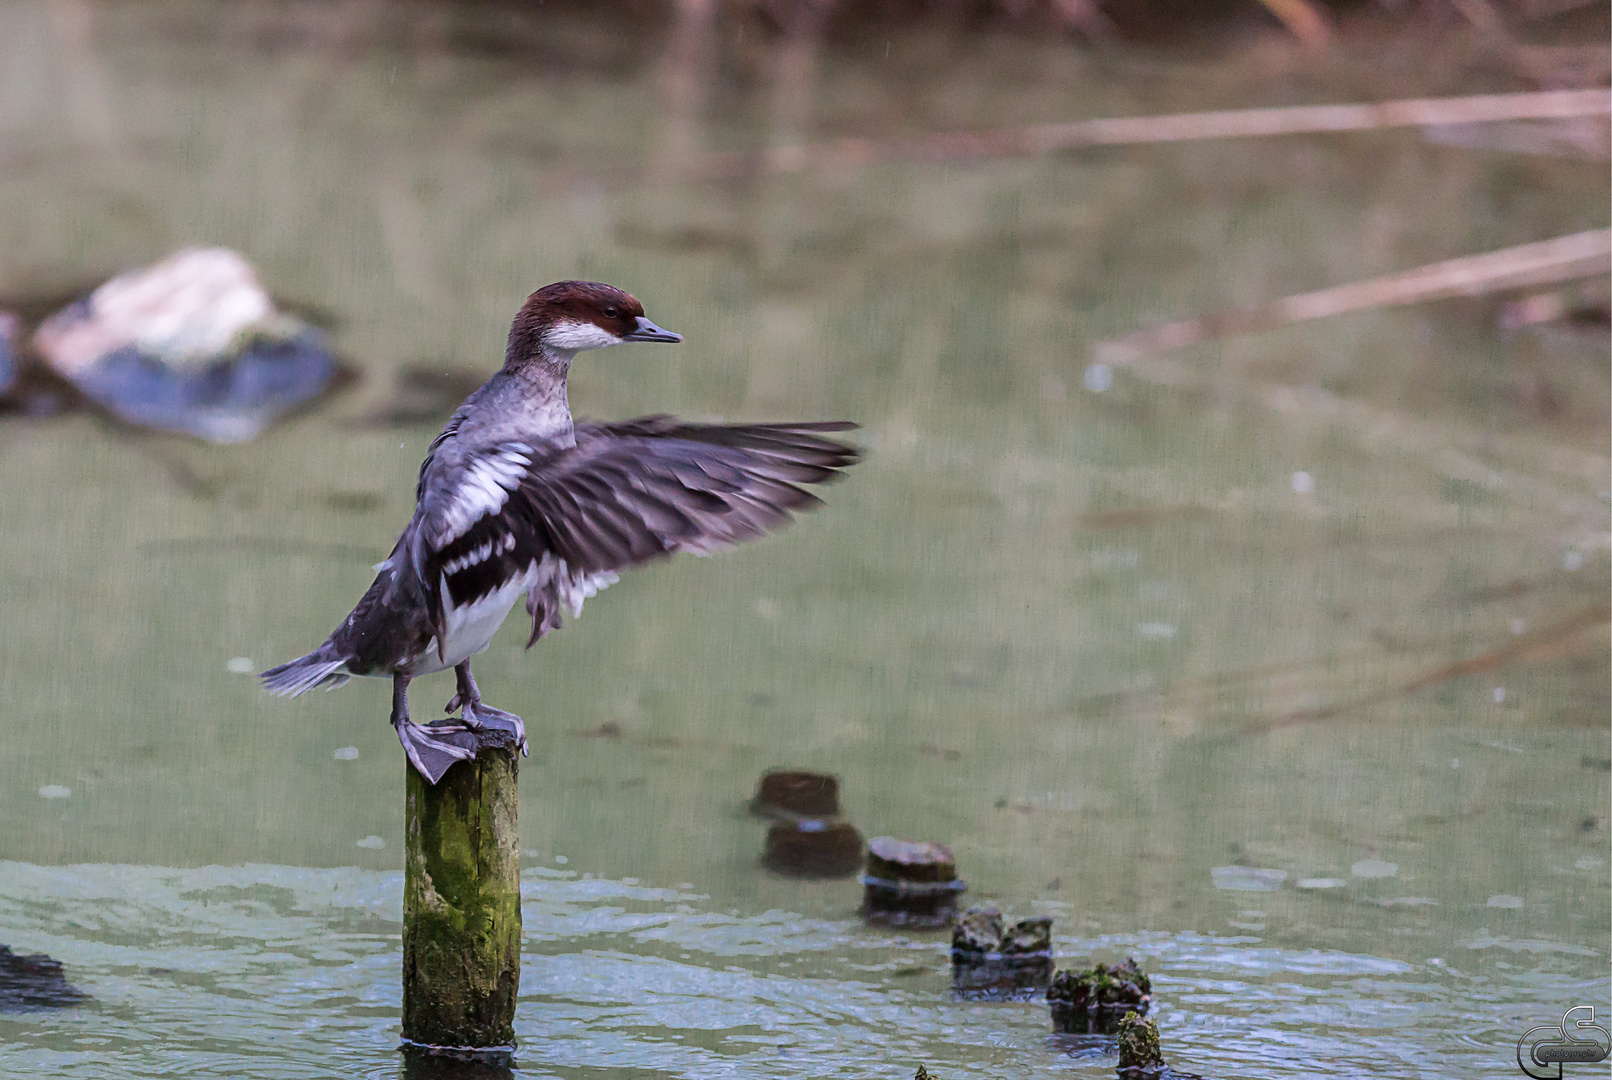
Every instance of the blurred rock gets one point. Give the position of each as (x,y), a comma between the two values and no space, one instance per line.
(34,981)
(1247,878)
(192,344)
(813,848)
(1582,137)
(1535,308)
(792,794)
(1094,1000)
(910,883)
(9,325)
(1580,307)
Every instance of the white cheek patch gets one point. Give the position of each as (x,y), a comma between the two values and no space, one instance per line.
(574,336)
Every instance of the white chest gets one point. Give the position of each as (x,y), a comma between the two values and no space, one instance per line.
(469,629)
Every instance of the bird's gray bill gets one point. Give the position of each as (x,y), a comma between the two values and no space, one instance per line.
(648,331)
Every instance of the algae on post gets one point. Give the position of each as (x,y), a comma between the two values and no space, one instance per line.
(1120,984)
(1139,1045)
(993,962)
(462,905)
(1091,1000)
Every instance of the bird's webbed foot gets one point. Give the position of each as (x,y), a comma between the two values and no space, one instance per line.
(495,726)
(432,749)
(484,719)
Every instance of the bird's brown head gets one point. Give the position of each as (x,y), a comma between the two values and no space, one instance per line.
(560,320)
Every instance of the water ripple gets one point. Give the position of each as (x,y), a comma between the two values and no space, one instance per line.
(267,971)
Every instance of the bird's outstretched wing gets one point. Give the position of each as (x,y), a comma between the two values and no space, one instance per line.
(563,520)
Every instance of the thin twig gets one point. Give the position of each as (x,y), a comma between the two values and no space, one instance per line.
(1180,127)
(1303,19)
(1482,15)
(1582,137)
(1543,644)
(1574,256)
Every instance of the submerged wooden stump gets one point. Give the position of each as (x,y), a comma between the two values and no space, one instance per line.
(462,904)
(791,794)
(910,883)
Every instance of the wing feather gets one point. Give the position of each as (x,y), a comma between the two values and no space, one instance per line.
(623,494)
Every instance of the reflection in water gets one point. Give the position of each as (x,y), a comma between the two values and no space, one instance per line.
(419,1064)
(813,849)
(1010,978)
(993,961)
(34,981)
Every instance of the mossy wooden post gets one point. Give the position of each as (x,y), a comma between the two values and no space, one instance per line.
(462,904)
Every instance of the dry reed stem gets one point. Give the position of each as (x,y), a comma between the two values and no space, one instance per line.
(1303,19)
(1484,18)
(1558,477)
(1577,255)
(1179,127)
(1582,137)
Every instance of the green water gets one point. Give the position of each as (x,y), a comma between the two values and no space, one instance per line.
(1097,642)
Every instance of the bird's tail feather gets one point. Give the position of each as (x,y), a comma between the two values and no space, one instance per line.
(318,668)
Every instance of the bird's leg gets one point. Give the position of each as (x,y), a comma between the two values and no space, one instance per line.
(467,693)
(431,750)
(478,717)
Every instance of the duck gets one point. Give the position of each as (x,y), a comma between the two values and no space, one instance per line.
(515,498)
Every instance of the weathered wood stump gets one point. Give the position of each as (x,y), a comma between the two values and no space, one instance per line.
(462,904)
(910,883)
(1139,1054)
(791,794)
(991,961)
(1093,1001)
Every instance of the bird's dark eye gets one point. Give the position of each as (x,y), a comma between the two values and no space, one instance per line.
(611,313)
